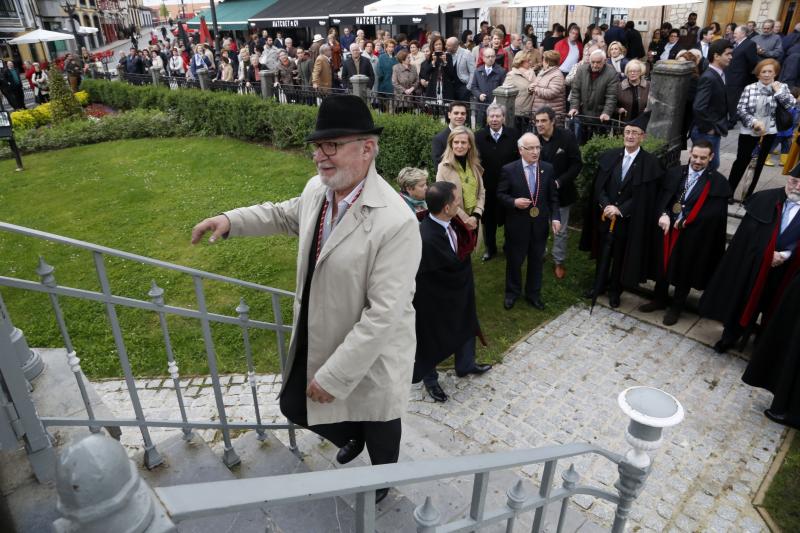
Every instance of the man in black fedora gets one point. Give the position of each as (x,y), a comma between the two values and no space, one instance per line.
(352,350)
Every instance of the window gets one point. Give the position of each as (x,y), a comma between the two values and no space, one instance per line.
(8,9)
(539,18)
(725,11)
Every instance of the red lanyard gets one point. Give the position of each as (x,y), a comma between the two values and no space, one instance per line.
(534,200)
(322,220)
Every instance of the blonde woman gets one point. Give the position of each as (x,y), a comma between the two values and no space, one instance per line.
(461,166)
(616,57)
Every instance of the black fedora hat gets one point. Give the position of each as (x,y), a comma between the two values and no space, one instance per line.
(641,121)
(343,114)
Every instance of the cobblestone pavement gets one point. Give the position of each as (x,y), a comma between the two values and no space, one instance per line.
(558,386)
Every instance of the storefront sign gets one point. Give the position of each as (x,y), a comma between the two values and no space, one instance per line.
(284,23)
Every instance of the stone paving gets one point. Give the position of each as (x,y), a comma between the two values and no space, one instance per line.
(560,385)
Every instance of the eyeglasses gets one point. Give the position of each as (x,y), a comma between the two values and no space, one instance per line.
(329,148)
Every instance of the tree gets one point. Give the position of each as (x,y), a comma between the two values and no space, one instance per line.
(63,104)
(163,11)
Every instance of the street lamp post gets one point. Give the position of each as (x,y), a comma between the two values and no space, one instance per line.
(217,50)
(70,10)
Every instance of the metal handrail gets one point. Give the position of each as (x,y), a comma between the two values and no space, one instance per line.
(152,458)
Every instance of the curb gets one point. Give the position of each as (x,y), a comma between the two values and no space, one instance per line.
(777,462)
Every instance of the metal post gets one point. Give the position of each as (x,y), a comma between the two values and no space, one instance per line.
(244,316)
(121,72)
(571,479)
(267,84)
(359,83)
(506,97)
(156,75)
(99,489)
(276,311)
(516,499)
(545,487)
(427,516)
(479,487)
(365,512)
(29,360)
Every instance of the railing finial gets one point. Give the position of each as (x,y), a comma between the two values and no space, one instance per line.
(243,309)
(45,272)
(156,293)
(517,495)
(427,516)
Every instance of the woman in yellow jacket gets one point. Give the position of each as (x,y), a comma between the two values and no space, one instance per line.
(461,166)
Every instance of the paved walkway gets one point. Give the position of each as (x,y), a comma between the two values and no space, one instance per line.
(557,386)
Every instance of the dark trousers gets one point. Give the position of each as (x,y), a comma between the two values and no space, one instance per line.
(489,222)
(382,438)
(517,250)
(744,153)
(679,297)
(733,93)
(465,361)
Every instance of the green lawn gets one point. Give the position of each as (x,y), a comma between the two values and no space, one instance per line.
(784,493)
(144,196)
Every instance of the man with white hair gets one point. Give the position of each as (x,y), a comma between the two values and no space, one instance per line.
(322,72)
(290,49)
(768,43)
(594,90)
(351,354)
(465,68)
(357,64)
(739,73)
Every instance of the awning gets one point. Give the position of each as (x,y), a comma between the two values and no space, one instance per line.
(232,14)
(351,13)
(296,14)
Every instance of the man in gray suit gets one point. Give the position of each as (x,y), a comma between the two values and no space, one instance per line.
(465,68)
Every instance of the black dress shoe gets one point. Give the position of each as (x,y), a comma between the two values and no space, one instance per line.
(435,391)
(613,299)
(784,419)
(508,303)
(723,345)
(487,257)
(477,369)
(349,451)
(536,303)
(381,494)
(655,305)
(671,317)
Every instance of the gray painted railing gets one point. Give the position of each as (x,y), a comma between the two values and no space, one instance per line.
(152,458)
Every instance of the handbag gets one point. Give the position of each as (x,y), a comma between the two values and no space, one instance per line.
(783,118)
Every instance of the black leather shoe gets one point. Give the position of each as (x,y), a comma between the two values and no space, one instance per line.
(723,345)
(381,494)
(349,451)
(536,303)
(487,257)
(435,391)
(655,305)
(613,299)
(780,418)
(508,303)
(478,369)
(671,317)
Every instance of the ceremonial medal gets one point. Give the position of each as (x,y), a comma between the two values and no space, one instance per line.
(677,208)
(534,212)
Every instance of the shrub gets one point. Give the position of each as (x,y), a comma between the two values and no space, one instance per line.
(405,140)
(41,115)
(63,104)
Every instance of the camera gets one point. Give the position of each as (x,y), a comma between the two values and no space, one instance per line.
(438,54)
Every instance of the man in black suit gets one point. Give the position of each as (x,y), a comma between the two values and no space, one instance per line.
(447,319)
(457,115)
(704,44)
(560,149)
(527,191)
(739,73)
(626,189)
(357,64)
(497,147)
(710,106)
(486,79)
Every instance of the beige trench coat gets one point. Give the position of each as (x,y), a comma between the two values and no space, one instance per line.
(361,322)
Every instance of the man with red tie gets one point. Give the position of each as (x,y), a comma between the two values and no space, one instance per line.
(528,192)
(759,263)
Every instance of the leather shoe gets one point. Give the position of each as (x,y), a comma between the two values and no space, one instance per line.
(349,451)
(783,419)
(487,257)
(536,303)
(435,391)
(477,369)
(508,303)
(723,345)
(381,494)
(560,271)
(655,305)
(671,317)
(613,299)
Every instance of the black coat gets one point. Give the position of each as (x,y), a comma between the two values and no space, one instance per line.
(365,68)
(438,73)
(745,58)
(563,153)
(495,155)
(635,45)
(638,202)
(730,288)
(514,184)
(438,145)
(701,243)
(711,104)
(775,364)
(444,300)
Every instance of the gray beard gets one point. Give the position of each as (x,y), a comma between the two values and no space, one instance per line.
(793,196)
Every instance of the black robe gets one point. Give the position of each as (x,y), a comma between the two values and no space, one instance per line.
(701,243)
(731,288)
(775,364)
(444,299)
(638,202)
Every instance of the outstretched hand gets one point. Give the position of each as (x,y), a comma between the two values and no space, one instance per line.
(218,226)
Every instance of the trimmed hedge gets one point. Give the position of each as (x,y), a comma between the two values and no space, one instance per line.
(40,115)
(405,140)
